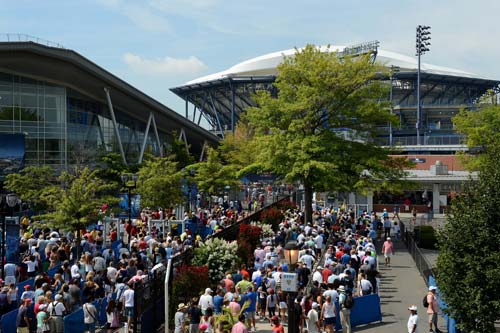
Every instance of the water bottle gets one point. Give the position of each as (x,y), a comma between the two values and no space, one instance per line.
(125,328)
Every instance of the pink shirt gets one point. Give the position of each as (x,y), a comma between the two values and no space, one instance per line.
(433,303)
(239,327)
(388,247)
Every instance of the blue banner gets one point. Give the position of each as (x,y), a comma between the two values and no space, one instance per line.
(12,151)
(135,203)
(12,242)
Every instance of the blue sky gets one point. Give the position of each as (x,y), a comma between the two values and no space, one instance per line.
(158,44)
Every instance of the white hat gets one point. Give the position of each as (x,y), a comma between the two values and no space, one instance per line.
(208,290)
(431,288)
(413,308)
(341,288)
(315,305)
(388,238)
(319,267)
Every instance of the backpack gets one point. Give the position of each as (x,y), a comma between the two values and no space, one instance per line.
(348,302)
(424,302)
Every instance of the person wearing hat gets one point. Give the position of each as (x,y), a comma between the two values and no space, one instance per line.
(180,319)
(56,311)
(413,320)
(206,300)
(28,293)
(42,319)
(433,309)
(23,320)
(345,313)
(312,319)
(277,327)
(388,251)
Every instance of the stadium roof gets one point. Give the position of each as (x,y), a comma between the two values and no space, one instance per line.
(267,64)
(70,69)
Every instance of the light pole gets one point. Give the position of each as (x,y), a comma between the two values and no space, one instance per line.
(11,201)
(394,70)
(289,283)
(129,181)
(423,41)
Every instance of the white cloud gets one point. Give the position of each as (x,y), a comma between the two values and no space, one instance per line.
(164,66)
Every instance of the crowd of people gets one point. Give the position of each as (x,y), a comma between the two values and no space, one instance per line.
(89,268)
(337,263)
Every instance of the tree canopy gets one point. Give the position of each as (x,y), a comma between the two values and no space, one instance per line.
(319,130)
(33,184)
(467,264)
(214,174)
(482,131)
(160,183)
(75,205)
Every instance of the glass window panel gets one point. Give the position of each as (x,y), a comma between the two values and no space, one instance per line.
(52,145)
(31,144)
(6,113)
(52,115)
(27,114)
(51,101)
(29,100)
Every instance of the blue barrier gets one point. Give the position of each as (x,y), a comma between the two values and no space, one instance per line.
(20,287)
(450,322)
(51,272)
(155,315)
(366,310)
(9,322)
(74,322)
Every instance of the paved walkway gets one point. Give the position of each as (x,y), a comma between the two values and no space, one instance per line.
(401,285)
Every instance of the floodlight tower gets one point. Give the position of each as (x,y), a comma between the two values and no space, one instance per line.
(422,46)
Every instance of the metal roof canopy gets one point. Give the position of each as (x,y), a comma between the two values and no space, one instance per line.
(221,101)
(70,69)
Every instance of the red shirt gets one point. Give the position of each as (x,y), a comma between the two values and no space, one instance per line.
(326,273)
(243,272)
(278,329)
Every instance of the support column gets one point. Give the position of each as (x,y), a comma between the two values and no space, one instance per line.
(115,126)
(435,198)
(369,201)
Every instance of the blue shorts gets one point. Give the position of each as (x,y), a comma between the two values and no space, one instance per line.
(129,311)
(330,321)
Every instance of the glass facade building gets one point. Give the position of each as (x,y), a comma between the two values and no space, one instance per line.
(63,127)
(69,110)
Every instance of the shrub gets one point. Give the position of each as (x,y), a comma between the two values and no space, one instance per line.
(218,255)
(425,236)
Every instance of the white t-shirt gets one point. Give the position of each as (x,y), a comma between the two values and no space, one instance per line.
(312,318)
(412,321)
(75,272)
(333,293)
(128,296)
(317,276)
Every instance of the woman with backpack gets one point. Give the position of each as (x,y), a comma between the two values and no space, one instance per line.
(346,303)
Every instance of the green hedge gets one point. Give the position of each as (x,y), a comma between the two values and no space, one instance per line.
(425,237)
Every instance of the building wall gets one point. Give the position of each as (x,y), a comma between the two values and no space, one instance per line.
(63,127)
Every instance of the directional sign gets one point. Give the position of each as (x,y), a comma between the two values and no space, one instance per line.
(289,282)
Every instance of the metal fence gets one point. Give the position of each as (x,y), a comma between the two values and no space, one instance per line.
(423,265)
(149,297)
(13,37)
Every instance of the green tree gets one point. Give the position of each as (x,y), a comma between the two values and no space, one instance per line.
(481,130)
(33,184)
(467,264)
(214,174)
(320,128)
(160,183)
(75,205)
(178,152)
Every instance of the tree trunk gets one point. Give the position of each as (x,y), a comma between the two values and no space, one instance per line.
(308,194)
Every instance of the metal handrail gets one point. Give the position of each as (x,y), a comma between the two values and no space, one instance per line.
(15,37)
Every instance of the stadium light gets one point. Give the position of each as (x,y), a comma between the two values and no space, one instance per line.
(422,46)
